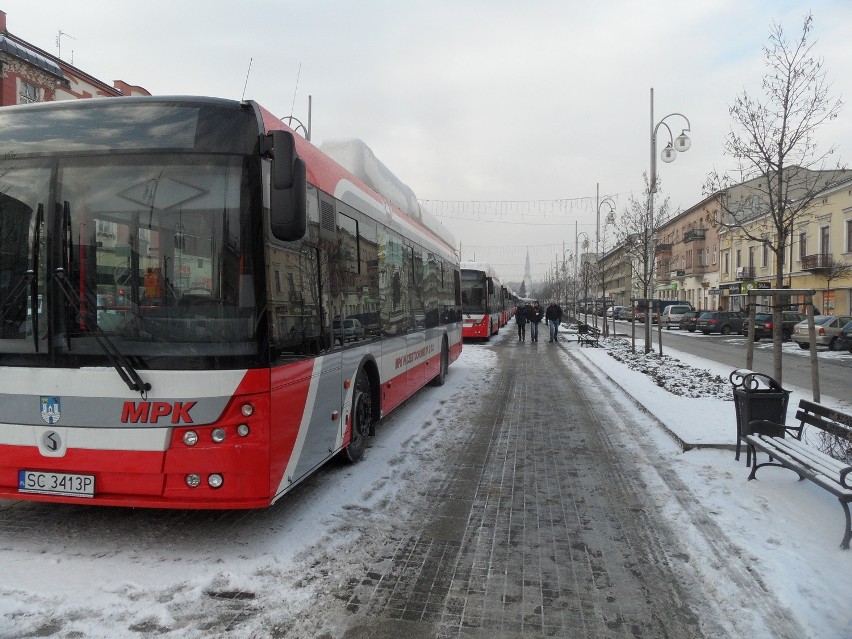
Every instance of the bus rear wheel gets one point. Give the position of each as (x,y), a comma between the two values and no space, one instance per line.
(362,418)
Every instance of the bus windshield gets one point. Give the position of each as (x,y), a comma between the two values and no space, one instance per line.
(474,287)
(156,249)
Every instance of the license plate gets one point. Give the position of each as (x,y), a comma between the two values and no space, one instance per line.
(47,483)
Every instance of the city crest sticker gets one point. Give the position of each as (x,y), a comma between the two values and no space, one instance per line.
(50,409)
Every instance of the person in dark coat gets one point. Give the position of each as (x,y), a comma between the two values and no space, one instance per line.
(553,315)
(534,316)
(521,319)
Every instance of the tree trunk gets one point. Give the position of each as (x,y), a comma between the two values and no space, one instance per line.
(777,335)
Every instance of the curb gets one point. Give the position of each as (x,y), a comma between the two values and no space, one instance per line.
(684,445)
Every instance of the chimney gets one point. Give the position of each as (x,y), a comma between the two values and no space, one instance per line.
(2,21)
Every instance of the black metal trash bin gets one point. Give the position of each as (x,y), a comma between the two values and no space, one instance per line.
(757,396)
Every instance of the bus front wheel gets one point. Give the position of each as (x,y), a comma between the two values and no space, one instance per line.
(362,418)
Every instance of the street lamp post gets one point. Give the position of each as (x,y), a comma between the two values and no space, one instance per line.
(680,144)
(577,235)
(608,202)
(566,256)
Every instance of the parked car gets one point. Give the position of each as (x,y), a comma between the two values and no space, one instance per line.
(844,340)
(724,322)
(614,312)
(350,329)
(828,329)
(672,314)
(763,324)
(689,319)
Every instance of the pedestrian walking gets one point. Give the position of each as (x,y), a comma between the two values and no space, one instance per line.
(534,317)
(553,315)
(521,319)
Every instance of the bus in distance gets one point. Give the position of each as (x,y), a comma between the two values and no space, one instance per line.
(198,308)
(482,300)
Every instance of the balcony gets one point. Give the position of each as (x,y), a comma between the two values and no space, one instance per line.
(694,234)
(663,249)
(745,272)
(817,262)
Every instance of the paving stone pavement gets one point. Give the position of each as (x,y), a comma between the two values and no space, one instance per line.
(540,528)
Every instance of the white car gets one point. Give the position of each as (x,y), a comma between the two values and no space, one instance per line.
(350,330)
(673,314)
(827,327)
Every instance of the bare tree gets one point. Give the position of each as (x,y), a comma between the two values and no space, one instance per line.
(779,169)
(637,233)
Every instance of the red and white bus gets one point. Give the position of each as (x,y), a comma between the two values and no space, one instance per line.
(482,300)
(198,308)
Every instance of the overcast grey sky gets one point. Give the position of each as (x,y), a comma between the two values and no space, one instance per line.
(504,115)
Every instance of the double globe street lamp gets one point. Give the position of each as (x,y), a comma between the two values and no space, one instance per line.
(679,144)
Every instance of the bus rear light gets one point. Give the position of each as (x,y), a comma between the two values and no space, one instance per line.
(243,430)
(215,480)
(193,480)
(247,410)
(190,438)
(218,435)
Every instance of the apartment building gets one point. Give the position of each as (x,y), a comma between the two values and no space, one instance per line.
(814,255)
(686,256)
(618,266)
(822,255)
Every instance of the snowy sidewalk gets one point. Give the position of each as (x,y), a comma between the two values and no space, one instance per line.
(690,397)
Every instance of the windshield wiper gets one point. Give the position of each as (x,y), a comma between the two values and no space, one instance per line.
(122,365)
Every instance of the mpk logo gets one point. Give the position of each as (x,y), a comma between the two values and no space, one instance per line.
(151,412)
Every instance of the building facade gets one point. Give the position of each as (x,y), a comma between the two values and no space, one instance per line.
(618,266)
(817,253)
(687,256)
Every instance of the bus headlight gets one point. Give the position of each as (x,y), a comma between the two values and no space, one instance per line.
(190,438)
(243,430)
(193,480)
(215,480)
(247,410)
(218,435)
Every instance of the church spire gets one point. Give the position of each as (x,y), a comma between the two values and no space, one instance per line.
(527,274)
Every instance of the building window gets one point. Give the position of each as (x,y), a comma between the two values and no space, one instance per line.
(824,241)
(739,258)
(28,93)
(849,236)
(751,256)
(714,254)
(765,255)
(725,263)
(803,245)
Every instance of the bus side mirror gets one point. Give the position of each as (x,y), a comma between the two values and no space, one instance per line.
(289,189)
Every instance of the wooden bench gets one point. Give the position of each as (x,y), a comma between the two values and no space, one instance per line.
(830,431)
(587,335)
